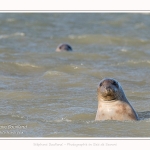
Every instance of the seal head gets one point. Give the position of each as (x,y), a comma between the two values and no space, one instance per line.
(64,47)
(108,89)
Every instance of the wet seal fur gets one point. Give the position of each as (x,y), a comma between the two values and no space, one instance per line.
(64,47)
(112,102)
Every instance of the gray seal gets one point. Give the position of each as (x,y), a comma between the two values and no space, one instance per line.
(112,102)
(64,47)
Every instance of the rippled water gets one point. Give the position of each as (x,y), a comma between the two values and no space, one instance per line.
(52,94)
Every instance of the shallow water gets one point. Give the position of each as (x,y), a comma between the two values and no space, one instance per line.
(50,94)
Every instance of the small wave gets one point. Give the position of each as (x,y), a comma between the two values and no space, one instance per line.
(91,121)
(138,62)
(17,68)
(74,66)
(49,73)
(10,20)
(27,65)
(78,37)
(133,62)
(124,50)
(19,34)
(144,115)
(147,120)
(12,35)
(63,120)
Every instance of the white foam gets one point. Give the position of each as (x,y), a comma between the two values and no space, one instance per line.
(26,65)
(5,36)
(52,73)
(124,50)
(63,120)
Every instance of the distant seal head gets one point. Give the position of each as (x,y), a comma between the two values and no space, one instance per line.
(112,102)
(64,47)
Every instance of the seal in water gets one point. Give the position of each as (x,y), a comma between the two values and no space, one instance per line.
(63,47)
(112,102)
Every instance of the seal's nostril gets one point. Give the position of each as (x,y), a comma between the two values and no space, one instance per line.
(108,88)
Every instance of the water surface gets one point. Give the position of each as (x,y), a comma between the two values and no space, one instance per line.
(50,94)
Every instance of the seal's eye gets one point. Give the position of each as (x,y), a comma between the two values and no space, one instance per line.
(115,83)
(100,84)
